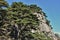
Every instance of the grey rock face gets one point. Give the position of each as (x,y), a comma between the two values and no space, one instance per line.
(44,27)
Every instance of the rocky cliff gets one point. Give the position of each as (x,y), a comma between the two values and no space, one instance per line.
(44,25)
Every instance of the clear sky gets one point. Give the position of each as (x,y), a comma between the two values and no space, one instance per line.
(50,7)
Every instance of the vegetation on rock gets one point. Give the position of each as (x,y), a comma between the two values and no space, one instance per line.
(17,20)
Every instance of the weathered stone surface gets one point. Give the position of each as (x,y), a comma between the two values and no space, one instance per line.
(43,27)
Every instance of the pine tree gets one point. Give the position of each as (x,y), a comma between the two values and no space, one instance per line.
(17,21)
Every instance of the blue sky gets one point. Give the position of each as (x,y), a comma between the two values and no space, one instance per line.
(50,7)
